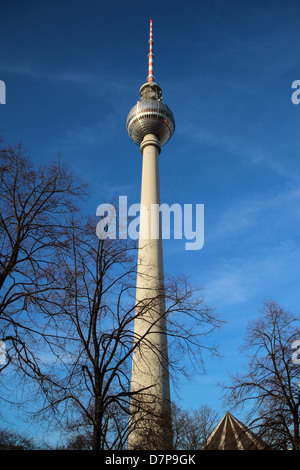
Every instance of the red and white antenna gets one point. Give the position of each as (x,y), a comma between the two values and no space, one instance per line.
(150,77)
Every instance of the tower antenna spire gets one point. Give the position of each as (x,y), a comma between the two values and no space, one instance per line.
(150,77)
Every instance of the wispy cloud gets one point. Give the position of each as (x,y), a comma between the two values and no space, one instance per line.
(239,280)
(36,72)
(100,83)
(231,139)
(262,213)
(254,247)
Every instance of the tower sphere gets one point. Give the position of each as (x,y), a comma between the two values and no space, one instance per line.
(150,116)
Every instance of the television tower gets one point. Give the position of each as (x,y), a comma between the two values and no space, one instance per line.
(150,124)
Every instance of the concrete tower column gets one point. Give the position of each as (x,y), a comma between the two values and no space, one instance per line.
(150,369)
(150,124)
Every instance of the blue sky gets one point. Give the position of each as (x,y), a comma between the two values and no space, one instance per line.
(73,70)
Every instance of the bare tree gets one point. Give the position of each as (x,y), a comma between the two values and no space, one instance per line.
(10,440)
(191,428)
(270,382)
(96,314)
(69,297)
(35,207)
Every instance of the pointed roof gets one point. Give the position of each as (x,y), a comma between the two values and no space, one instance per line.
(231,434)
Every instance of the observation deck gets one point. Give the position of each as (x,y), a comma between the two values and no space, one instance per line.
(150,116)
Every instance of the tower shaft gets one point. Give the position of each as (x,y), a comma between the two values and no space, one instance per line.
(151,411)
